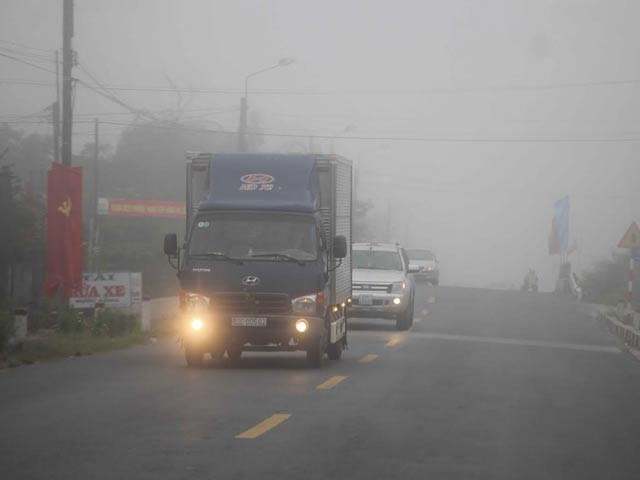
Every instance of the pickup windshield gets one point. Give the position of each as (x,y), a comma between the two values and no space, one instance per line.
(377,259)
(244,236)
(420,255)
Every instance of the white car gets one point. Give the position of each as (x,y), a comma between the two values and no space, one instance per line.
(382,286)
(423,264)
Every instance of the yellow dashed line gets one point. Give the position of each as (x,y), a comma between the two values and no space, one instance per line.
(393,341)
(368,358)
(332,382)
(264,426)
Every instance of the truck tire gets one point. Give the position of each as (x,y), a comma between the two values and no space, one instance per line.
(315,353)
(334,351)
(194,356)
(403,320)
(234,354)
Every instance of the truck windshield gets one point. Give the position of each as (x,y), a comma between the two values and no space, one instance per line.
(376,259)
(241,235)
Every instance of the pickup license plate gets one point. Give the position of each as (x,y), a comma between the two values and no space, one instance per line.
(248,321)
(366,300)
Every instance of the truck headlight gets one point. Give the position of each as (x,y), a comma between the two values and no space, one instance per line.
(197,324)
(302,325)
(399,287)
(195,301)
(305,305)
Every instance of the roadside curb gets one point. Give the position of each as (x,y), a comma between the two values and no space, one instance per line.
(629,335)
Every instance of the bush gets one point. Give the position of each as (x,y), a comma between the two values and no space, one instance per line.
(6,328)
(113,323)
(606,282)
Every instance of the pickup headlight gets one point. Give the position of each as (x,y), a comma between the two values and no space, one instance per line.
(399,287)
(305,305)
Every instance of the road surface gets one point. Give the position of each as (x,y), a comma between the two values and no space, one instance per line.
(487,385)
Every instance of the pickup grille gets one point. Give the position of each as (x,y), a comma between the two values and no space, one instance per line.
(246,302)
(372,287)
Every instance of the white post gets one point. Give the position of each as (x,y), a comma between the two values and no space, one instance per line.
(145,321)
(20,325)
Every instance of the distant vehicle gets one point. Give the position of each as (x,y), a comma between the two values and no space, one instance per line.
(530,282)
(423,264)
(266,264)
(382,286)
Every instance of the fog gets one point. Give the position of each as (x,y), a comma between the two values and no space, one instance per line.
(466,119)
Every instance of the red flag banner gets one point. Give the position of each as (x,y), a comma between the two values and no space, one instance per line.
(64,230)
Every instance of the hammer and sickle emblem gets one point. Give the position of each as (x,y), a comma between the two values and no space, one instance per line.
(65,207)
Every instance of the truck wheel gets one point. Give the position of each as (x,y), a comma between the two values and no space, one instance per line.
(334,351)
(315,352)
(234,354)
(217,354)
(403,320)
(194,356)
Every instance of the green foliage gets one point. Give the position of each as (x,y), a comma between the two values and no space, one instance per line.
(6,329)
(606,282)
(113,323)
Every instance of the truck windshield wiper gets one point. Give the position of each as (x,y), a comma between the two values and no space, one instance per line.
(279,255)
(217,255)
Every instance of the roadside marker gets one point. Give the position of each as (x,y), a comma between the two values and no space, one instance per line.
(368,358)
(332,382)
(431,299)
(417,319)
(264,426)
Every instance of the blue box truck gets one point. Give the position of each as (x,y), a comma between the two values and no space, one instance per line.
(266,259)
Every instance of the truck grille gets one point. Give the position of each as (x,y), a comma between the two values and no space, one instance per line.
(251,303)
(372,287)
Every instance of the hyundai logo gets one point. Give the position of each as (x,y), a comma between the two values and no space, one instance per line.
(250,281)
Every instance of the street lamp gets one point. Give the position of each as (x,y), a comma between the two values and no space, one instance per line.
(242,131)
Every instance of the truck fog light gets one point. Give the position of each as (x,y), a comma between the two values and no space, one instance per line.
(196,324)
(396,301)
(302,325)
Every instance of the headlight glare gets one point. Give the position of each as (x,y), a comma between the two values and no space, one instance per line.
(302,325)
(196,324)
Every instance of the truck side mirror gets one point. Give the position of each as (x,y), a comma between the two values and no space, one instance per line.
(339,246)
(171,244)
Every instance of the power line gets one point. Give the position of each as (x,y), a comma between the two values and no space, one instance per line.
(22,45)
(397,138)
(27,63)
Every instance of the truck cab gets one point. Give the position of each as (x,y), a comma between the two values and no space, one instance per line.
(266,263)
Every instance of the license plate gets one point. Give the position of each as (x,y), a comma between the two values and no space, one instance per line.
(366,300)
(248,321)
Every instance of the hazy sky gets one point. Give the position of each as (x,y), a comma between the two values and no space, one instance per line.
(449,71)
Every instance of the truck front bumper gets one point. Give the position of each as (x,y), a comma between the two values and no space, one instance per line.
(277,331)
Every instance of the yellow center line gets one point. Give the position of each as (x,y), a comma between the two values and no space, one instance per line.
(332,382)
(368,358)
(264,426)
(424,312)
(393,341)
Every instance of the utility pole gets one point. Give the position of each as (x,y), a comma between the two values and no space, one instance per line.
(55,111)
(388,223)
(67,65)
(93,222)
(242,131)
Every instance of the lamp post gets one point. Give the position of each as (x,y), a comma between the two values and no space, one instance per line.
(242,131)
